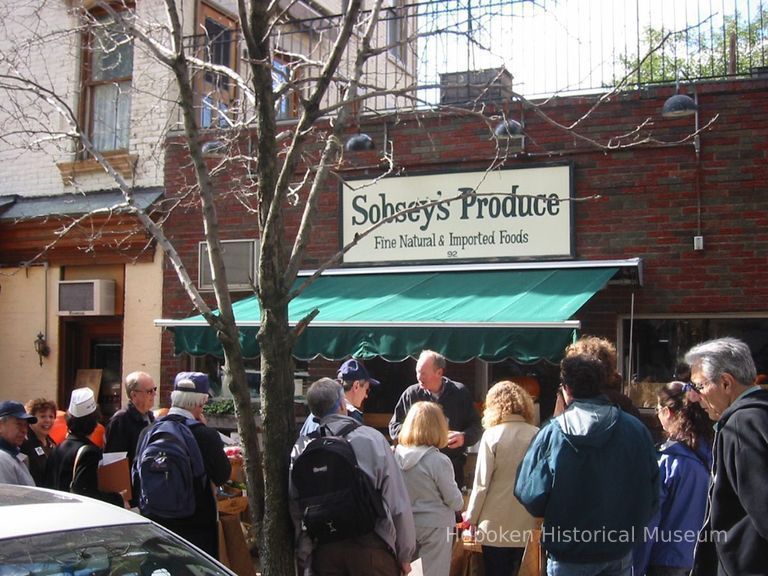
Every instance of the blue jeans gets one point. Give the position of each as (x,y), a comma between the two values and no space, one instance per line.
(621,567)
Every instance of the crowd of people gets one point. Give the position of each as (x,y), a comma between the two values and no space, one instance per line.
(588,485)
(29,455)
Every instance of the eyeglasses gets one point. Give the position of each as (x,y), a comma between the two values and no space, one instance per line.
(691,387)
(149,391)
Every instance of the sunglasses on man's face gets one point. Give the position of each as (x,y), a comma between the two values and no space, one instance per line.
(691,387)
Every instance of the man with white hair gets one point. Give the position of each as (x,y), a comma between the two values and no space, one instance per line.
(125,426)
(190,394)
(734,539)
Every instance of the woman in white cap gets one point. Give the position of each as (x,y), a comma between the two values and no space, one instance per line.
(73,465)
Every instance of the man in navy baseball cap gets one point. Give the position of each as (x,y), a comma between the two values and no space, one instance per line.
(357,383)
(192,382)
(14,425)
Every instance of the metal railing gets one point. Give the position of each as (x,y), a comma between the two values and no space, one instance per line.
(562,46)
(456,51)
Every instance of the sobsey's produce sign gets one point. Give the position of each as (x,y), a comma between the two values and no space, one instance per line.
(504,214)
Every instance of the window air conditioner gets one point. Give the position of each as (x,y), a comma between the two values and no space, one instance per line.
(86,297)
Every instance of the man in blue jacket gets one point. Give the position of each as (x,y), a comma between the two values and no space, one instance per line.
(591,473)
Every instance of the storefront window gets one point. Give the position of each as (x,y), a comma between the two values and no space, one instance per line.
(212,366)
(540,379)
(653,348)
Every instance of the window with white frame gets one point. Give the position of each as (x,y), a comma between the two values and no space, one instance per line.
(107,75)
(216,43)
(240,262)
(653,349)
(284,73)
(394,15)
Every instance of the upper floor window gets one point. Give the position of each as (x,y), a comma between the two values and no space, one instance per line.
(286,105)
(240,258)
(394,16)
(107,72)
(215,43)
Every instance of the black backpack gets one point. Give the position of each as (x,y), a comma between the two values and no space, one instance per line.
(337,498)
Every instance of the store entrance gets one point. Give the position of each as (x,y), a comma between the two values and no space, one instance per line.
(92,356)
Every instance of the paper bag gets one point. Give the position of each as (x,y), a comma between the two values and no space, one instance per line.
(114,473)
(233,546)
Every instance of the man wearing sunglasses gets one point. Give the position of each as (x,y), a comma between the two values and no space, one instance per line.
(734,539)
(126,424)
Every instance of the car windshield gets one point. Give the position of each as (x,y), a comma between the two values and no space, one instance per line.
(129,550)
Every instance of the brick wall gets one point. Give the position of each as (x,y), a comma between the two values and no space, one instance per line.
(648,205)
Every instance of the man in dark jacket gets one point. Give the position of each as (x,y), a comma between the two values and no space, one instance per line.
(734,539)
(14,426)
(190,394)
(591,473)
(123,429)
(457,403)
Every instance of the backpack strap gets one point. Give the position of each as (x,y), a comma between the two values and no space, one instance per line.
(193,449)
(78,456)
(324,430)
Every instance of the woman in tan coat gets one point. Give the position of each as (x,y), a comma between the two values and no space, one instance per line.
(503,526)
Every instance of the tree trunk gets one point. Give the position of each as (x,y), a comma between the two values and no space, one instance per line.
(278,434)
(234,373)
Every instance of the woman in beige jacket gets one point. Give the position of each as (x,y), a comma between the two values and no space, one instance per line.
(503,526)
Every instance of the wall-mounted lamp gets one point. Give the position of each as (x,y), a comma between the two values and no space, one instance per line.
(359,143)
(213,148)
(41,347)
(512,134)
(679,106)
(509,128)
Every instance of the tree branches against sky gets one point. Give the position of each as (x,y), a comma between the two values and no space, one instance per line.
(576,45)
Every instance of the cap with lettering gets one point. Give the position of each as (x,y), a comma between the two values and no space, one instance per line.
(82,402)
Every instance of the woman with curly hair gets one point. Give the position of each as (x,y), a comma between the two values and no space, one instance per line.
(605,352)
(39,444)
(685,460)
(503,526)
(429,478)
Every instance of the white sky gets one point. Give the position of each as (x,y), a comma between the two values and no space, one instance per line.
(555,45)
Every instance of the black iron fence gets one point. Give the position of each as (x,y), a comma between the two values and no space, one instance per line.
(561,46)
(454,51)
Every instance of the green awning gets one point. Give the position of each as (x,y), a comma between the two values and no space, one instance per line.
(488,314)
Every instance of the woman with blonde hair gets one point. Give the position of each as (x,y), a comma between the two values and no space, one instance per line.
(428,474)
(503,526)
